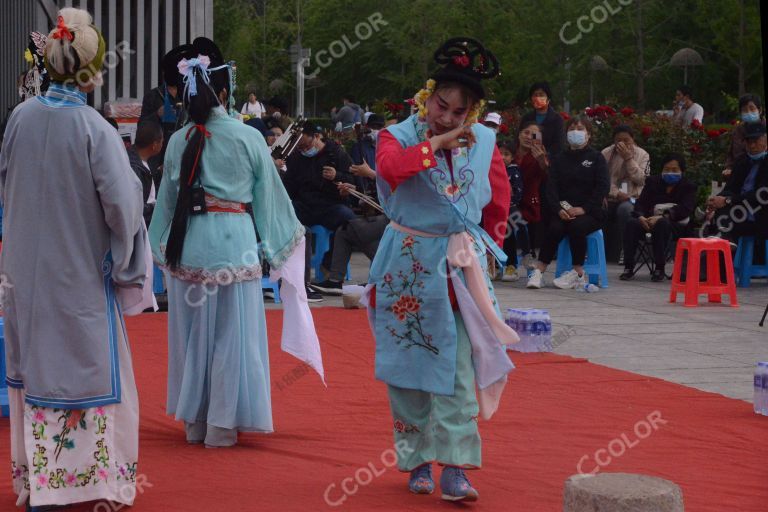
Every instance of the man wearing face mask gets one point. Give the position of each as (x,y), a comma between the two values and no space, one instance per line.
(750,111)
(663,210)
(742,206)
(313,172)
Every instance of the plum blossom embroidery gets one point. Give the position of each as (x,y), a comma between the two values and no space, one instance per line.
(407,308)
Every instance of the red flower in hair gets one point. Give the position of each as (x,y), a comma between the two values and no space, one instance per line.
(627,111)
(461,60)
(62,31)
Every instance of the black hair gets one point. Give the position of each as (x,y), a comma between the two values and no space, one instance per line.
(199,108)
(583,119)
(350,98)
(544,86)
(526,124)
(623,128)
(147,133)
(508,144)
(686,90)
(747,98)
(680,159)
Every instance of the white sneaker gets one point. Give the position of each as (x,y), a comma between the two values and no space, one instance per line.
(570,280)
(535,279)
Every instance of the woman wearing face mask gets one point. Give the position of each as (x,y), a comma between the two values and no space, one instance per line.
(550,122)
(678,197)
(578,181)
(430,301)
(750,111)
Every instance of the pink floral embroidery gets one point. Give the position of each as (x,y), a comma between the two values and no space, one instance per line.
(404,305)
(402,428)
(103,474)
(408,241)
(388,278)
(38,416)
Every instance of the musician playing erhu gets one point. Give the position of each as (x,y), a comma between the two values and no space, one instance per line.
(437,326)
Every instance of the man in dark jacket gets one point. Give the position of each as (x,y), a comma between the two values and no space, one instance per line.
(147,144)
(742,206)
(663,210)
(546,117)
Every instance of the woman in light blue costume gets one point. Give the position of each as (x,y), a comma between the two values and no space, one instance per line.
(218,364)
(437,327)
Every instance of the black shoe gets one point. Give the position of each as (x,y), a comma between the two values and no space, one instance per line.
(657,275)
(327,287)
(162,301)
(313,296)
(627,274)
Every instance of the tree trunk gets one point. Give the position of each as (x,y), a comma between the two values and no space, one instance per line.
(742,29)
(640,59)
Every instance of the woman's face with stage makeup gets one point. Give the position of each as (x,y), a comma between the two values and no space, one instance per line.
(447,109)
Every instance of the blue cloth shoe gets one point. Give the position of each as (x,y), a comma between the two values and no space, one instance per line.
(421,480)
(455,485)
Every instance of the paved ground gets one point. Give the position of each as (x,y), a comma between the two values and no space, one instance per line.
(631,326)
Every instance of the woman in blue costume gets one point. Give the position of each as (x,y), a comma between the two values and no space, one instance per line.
(202,235)
(437,326)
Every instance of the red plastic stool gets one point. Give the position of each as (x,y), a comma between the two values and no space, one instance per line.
(692,287)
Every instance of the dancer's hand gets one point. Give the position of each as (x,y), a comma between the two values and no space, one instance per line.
(456,138)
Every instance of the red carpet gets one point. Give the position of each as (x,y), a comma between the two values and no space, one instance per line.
(556,411)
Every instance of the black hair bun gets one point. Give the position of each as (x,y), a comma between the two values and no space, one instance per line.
(465,60)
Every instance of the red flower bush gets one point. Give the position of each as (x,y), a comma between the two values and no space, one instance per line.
(647,130)
(627,111)
(565,116)
(696,125)
(503,129)
(695,148)
(713,134)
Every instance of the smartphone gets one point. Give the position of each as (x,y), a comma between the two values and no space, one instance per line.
(565,205)
(534,136)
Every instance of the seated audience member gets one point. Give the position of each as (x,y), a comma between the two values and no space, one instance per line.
(741,209)
(663,210)
(515,175)
(750,111)
(364,232)
(531,157)
(628,165)
(147,143)
(577,184)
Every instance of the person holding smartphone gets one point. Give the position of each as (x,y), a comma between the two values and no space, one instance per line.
(532,158)
(577,184)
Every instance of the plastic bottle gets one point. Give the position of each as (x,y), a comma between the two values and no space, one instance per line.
(525,330)
(535,329)
(764,390)
(757,396)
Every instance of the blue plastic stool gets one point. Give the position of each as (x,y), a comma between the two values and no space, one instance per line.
(322,244)
(4,411)
(157,280)
(594,265)
(743,262)
(267,283)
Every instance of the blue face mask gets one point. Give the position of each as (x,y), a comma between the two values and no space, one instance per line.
(750,117)
(758,156)
(577,138)
(310,152)
(671,178)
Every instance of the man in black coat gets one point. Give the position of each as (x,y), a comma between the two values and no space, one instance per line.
(742,206)
(663,210)
(147,143)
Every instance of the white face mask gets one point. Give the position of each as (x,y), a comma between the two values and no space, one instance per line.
(375,135)
(577,138)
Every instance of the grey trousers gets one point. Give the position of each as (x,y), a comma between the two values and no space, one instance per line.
(359,234)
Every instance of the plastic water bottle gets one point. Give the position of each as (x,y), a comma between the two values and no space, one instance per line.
(535,328)
(588,288)
(757,397)
(525,330)
(764,390)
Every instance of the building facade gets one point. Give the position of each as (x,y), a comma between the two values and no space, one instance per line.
(138,33)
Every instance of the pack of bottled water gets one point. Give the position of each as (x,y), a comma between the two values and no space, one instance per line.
(760,400)
(534,326)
